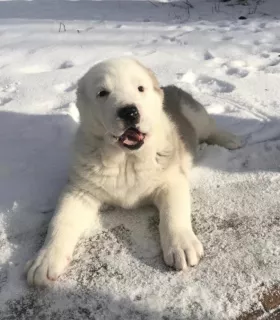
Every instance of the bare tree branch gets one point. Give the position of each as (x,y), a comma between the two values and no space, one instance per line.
(62,27)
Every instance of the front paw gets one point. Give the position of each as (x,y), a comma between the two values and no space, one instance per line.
(47,266)
(181,249)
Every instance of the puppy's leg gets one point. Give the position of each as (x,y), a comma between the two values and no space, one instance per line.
(76,212)
(181,248)
(223,138)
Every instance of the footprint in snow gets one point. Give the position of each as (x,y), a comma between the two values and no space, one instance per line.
(209,84)
(262,25)
(4,101)
(274,63)
(66,65)
(208,55)
(240,73)
(276,49)
(268,67)
(227,38)
(265,55)
(171,39)
(174,39)
(145,53)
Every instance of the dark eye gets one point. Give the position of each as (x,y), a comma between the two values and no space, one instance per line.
(103,93)
(141,89)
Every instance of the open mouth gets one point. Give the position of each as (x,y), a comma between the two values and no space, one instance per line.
(132,138)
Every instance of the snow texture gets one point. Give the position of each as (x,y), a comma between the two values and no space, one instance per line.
(232,66)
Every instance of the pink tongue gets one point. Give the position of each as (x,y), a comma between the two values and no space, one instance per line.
(129,142)
(131,137)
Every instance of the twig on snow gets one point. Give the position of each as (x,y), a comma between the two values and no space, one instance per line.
(216,6)
(152,3)
(254,9)
(186,5)
(187,2)
(62,26)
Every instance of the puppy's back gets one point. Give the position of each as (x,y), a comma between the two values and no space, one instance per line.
(193,122)
(174,100)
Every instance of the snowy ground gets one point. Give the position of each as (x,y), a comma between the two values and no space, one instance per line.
(232,66)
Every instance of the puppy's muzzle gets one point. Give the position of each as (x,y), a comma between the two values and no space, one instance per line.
(129,114)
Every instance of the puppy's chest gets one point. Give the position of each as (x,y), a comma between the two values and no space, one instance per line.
(127,182)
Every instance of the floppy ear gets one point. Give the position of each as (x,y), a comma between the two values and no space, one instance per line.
(81,92)
(154,79)
(82,98)
(155,82)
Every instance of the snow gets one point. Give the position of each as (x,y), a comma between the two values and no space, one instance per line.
(232,66)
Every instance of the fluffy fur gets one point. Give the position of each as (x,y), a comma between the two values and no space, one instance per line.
(105,172)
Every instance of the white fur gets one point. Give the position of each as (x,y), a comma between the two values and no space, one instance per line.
(104,172)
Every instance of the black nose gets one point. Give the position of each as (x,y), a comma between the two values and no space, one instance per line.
(129,114)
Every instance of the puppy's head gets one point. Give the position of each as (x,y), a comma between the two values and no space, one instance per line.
(120,100)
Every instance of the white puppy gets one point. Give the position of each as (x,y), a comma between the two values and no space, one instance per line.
(134,146)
